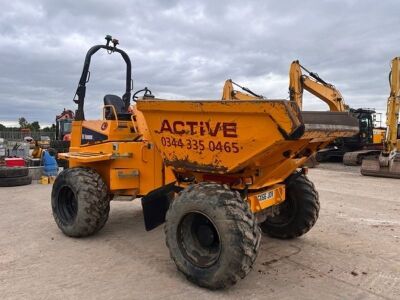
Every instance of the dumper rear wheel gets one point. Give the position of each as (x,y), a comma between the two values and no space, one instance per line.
(298,213)
(212,235)
(80,202)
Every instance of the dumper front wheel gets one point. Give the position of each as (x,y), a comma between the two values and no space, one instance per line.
(212,235)
(80,202)
(298,213)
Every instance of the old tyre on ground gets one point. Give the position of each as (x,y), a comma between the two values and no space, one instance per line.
(212,235)
(6,172)
(80,202)
(298,213)
(15,181)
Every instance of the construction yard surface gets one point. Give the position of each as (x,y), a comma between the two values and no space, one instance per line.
(353,252)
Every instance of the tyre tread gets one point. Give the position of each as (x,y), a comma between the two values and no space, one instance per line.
(91,189)
(308,199)
(237,211)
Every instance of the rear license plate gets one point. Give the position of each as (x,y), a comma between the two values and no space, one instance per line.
(265,196)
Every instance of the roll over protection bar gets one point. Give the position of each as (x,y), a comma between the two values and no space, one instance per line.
(79,97)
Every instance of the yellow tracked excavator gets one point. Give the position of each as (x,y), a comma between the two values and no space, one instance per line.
(314,85)
(368,142)
(297,83)
(387,164)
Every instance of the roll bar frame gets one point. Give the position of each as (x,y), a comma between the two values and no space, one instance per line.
(80,94)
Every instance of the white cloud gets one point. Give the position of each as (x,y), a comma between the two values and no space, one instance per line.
(182,49)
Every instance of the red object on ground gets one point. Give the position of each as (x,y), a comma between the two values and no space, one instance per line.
(15,162)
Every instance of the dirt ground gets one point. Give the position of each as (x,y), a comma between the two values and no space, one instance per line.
(353,252)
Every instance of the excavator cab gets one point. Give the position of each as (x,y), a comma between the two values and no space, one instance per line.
(365,135)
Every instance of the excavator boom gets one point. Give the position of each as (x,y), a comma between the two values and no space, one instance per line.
(314,85)
(297,83)
(393,107)
(229,92)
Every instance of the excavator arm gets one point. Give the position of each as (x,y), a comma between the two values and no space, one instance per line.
(393,108)
(297,83)
(229,92)
(388,162)
(315,85)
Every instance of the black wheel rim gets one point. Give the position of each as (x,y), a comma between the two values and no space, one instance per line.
(287,212)
(67,205)
(199,240)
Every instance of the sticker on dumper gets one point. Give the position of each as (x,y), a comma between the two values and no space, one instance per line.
(265,196)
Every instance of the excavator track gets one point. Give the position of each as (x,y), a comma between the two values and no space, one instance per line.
(355,158)
(371,167)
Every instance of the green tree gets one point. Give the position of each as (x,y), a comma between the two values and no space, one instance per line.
(35,126)
(49,128)
(2,127)
(23,123)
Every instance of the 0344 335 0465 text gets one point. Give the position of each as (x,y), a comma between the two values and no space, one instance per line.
(182,132)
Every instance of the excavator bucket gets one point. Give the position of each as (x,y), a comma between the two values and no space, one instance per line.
(372,167)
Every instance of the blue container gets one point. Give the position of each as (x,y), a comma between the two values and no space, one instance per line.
(50,165)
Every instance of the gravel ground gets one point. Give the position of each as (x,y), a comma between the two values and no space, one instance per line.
(351,253)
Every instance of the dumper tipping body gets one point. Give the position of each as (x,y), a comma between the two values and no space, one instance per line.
(262,140)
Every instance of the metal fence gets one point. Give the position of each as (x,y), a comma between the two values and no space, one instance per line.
(16,135)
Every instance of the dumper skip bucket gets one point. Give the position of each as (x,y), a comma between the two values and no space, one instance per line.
(226,136)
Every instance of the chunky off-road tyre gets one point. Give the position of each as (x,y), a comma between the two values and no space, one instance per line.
(80,202)
(6,172)
(15,181)
(298,213)
(212,235)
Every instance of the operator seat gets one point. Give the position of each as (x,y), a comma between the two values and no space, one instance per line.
(119,107)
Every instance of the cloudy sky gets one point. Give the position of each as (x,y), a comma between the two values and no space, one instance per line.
(186,49)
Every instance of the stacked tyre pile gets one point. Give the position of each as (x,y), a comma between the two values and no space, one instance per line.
(14,176)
